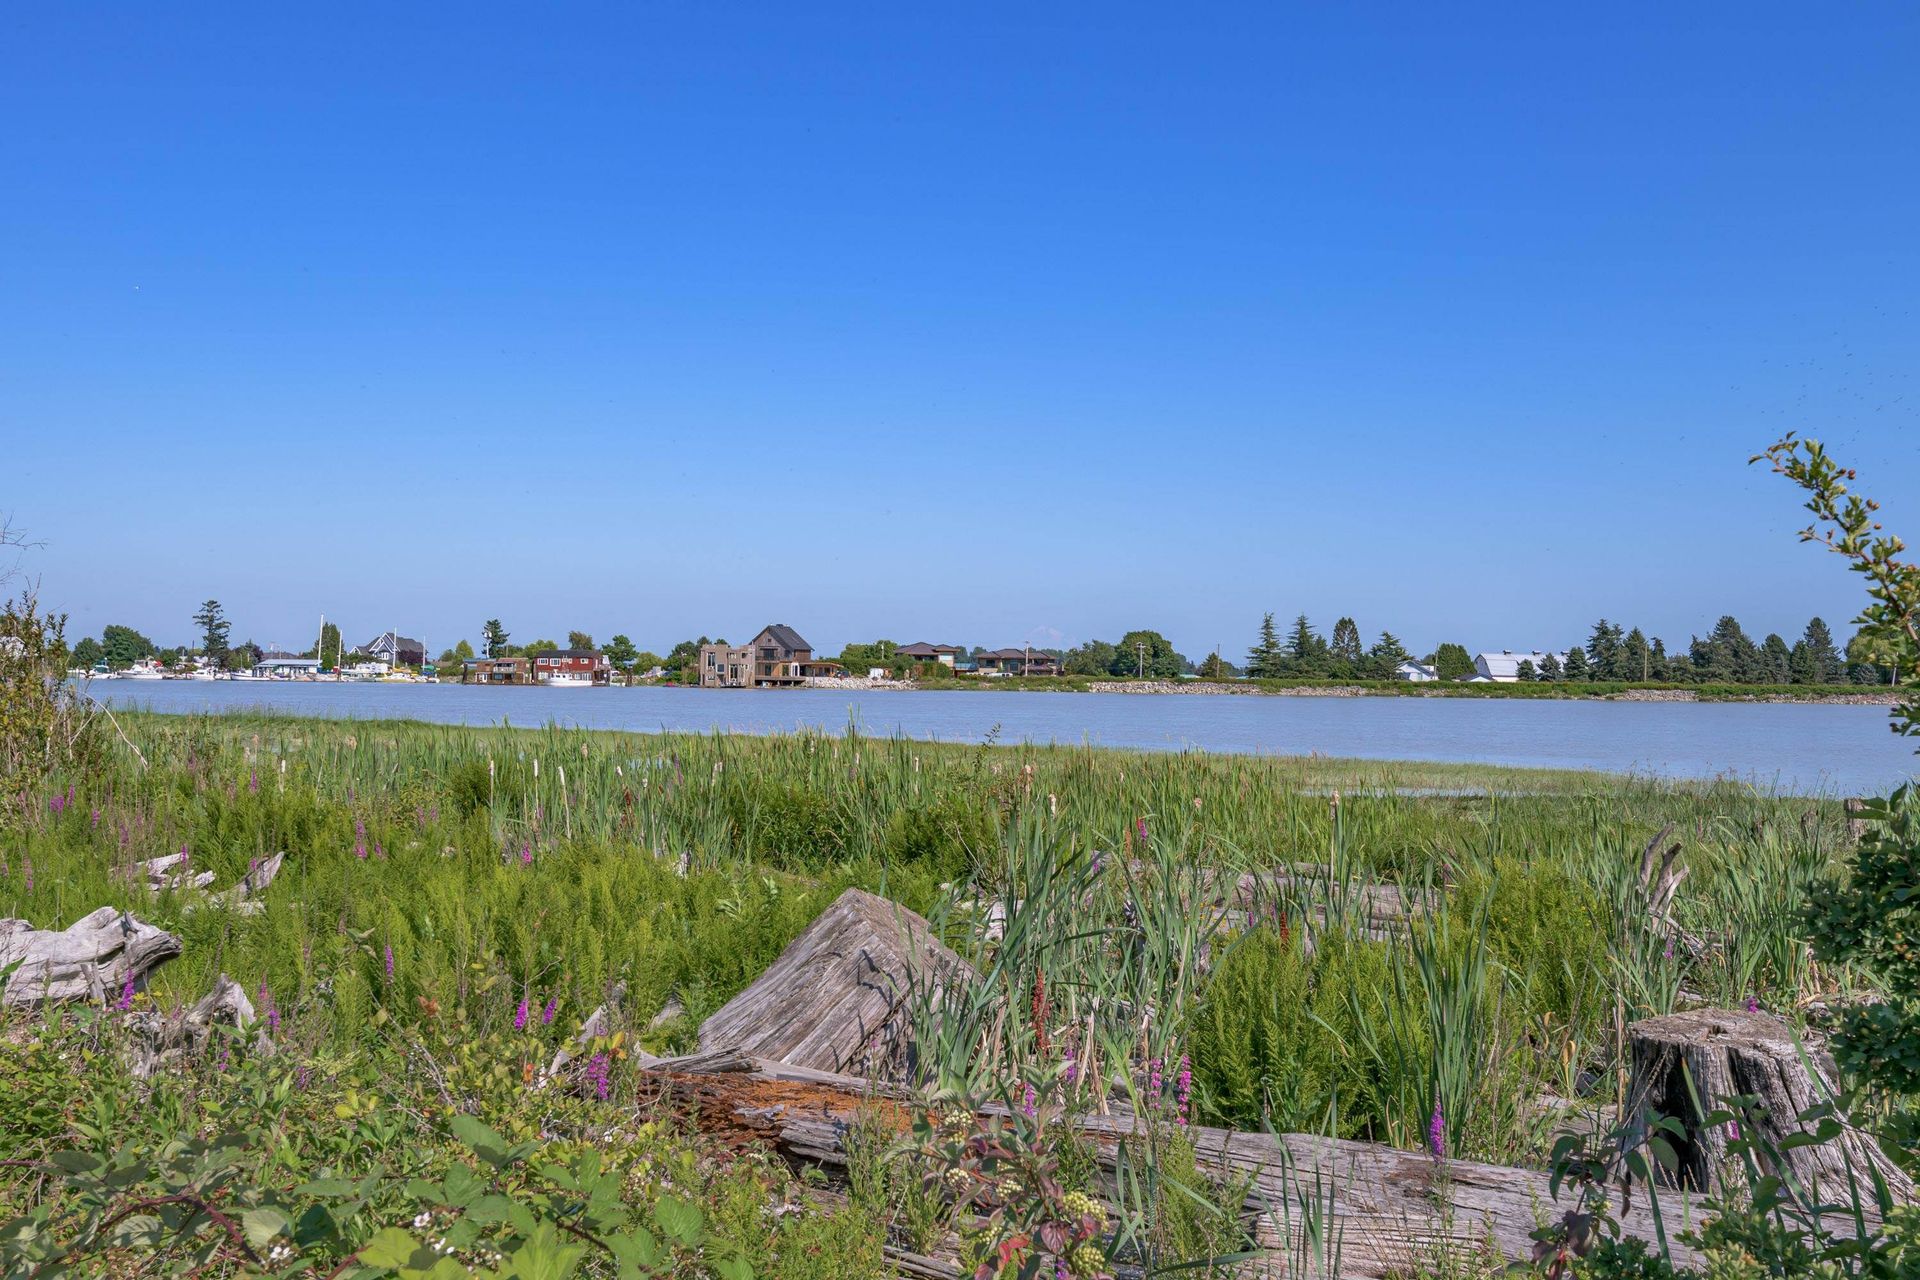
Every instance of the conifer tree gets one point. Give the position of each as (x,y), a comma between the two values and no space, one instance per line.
(1346,642)
(1776,660)
(1550,668)
(1828,665)
(1265,658)
(1576,666)
(1636,658)
(1525,671)
(1452,662)
(1306,650)
(212,621)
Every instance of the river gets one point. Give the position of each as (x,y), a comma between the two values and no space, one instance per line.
(1803,748)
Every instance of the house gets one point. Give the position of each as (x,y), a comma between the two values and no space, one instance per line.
(725,666)
(1504,667)
(571,666)
(1017,662)
(780,656)
(1415,671)
(394,649)
(284,666)
(496,671)
(921,651)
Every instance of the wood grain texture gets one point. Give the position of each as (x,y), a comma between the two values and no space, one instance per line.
(833,1001)
(91,959)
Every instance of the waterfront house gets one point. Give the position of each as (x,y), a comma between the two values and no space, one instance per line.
(780,656)
(1504,667)
(1017,662)
(394,649)
(725,666)
(285,666)
(921,651)
(571,666)
(496,671)
(1415,671)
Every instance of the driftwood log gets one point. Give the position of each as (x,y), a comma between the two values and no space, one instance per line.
(174,871)
(1685,1065)
(92,959)
(835,999)
(1390,1211)
(159,1038)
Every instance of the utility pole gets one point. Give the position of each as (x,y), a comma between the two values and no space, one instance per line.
(1140,648)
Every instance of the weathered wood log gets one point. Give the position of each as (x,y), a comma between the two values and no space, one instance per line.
(1391,1211)
(92,959)
(244,896)
(1685,1065)
(835,999)
(158,1038)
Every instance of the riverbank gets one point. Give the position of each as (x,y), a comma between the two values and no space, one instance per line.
(1843,695)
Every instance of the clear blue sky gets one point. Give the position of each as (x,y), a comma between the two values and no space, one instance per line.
(975,323)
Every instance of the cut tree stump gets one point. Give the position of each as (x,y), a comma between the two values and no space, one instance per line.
(91,959)
(835,999)
(1724,1053)
(1393,1212)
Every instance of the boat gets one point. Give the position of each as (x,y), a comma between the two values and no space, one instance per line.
(144,669)
(567,680)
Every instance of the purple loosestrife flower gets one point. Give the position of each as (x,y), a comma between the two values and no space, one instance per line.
(253,782)
(94,824)
(1140,828)
(126,994)
(597,1073)
(302,1077)
(1027,1103)
(1154,1082)
(520,1015)
(526,853)
(389,962)
(1753,1004)
(1183,1088)
(1437,1132)
(546,1014)
(1072,1073)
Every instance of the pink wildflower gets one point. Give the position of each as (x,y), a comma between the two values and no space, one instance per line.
(1027,1103)
(126,994)
(520,1015)
(597,1073)
(389,962)
(1437,1132)
(546,1014)
(526,853)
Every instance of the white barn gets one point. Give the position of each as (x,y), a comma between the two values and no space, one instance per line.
(1416,671)
(1504,666)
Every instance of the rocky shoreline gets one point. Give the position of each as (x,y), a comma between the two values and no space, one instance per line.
(1880,698)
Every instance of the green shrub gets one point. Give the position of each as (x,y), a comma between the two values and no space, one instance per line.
(950,836)
(789,826)
(1257,1052)
(1548,929)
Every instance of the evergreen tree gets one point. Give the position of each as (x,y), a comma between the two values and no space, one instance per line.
(1306,650)
(1576,666)
(1727,655)
(1386,655)
(1636,658)
(1214,667)
(1346,642)
(328,650)
(212,621)
(1266,659)
(1525,670)
(1800,668)
(1603,650)
(1452,662)
(1776,660)
(620,652)
(1660,666)
(1550,668)
(493,638)
(1828,665)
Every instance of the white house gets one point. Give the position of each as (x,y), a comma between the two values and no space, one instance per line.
(1504,666)
(1416,671)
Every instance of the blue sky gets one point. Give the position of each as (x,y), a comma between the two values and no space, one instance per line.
(985,325)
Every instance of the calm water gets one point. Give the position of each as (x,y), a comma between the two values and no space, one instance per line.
(1799,748)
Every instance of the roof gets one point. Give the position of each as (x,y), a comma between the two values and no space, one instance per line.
(1508,664)
(921,649)
(566,653)
(1036,655)
(400,642)
(785,636)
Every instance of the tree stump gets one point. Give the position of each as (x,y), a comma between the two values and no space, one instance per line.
(835,999)
(1686,1065)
